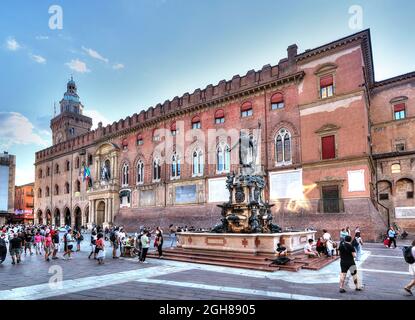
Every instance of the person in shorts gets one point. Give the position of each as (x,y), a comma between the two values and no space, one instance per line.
(15,248)
(55,241)
(347,263)
(410,285)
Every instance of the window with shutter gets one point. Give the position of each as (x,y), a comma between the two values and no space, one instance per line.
(328,147)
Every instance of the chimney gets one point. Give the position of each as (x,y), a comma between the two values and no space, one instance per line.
(292,52)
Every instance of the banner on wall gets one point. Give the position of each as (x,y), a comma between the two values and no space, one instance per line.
(286,184)
(356,180)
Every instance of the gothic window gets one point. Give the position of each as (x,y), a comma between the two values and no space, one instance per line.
(68,166)
(47,193)
(125,175)
(40,174)
(175,166)
(39,193)
(77,163)
(140,140)
(140,172)
(90,160)
(47,171)
(66,187)
(197,163)
(223,158)
(56,189)
(156,169)
(283,147)
(57,168)
(77,186)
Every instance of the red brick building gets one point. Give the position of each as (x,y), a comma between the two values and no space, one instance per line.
(313,115)
(23,204)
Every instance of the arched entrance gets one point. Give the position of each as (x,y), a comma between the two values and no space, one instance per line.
(67,217)
(100,213)
(48,217)
(57,217)
(78,218)
(40,216)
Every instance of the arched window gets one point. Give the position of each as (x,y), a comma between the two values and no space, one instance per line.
(47,171)
(77,163)
(40,174)
(246,109)
(219,116)
(140,140)
(277,101)
(78,186)
(125,144)
(56,190)
(283,147)
(396,168)
(39,193)
(66,187)
(175,166)
(57,168)
(125,175)
(90,159)
(68,165)
(47,193)
(197,163)
(196,122)
(156,169)
(140,172)
(223,158)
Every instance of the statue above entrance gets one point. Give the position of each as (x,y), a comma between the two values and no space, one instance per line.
(106,171)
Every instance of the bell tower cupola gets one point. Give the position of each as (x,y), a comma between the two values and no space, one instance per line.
(70,122)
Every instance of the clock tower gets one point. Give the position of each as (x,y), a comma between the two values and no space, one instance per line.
(70,122)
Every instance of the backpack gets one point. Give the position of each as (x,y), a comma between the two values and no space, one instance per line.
(112,236)
(407,254)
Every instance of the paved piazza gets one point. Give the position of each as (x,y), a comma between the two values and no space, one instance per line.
(383,272)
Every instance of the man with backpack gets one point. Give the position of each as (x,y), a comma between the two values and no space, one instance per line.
(115,242)
(3,248)
(409,255)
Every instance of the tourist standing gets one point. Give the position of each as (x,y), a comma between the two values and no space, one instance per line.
(15,247)
(100,248)
(69,239)
(328,243)
(357,244)
(79,237)
(38,243)
(349,233)
(410,285)
(392,237)
(28,242)
(145,241)
(93,244)
(172,231)
(114,242)
(3,248)
(55,244)
(158,242)
(347,263)
(48,246)
(343,234)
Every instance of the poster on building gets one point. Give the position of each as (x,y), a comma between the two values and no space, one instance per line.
(185,194)
(286,184)
(405,212)
(217,190)
(356,180)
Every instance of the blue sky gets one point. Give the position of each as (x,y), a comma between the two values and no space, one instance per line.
(127,55)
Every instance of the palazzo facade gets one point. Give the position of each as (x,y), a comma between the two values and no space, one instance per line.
(330,140)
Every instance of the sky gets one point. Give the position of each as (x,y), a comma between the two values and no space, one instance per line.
(128,55)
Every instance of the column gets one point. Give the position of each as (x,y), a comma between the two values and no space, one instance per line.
(110,210)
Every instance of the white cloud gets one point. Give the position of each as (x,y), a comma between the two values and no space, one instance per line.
(118,66)
(94,54)
(17,129)
(78,66)
(96,118)
(12,44)
(24,175)
(42,37)
(38,59)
